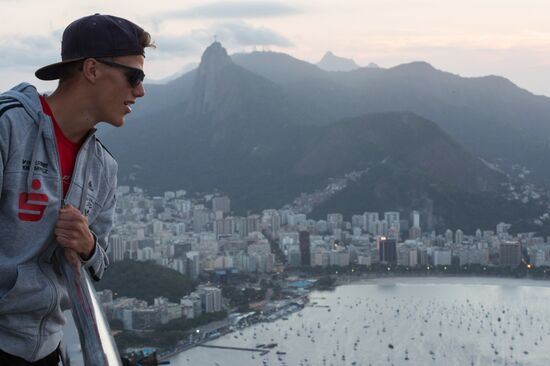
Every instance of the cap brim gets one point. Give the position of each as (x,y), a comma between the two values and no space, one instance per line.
(53,71)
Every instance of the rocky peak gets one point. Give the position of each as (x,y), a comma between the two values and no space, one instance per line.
(209,75)
(331,62)
(214,58)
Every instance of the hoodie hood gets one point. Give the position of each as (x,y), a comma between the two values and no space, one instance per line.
(27,95)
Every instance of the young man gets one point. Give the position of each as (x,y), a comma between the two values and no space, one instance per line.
(57,182)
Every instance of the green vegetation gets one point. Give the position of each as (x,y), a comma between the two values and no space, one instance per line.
(145,281)
(167,335)
(325,283)
(183,324)
(241,297)
(397,187)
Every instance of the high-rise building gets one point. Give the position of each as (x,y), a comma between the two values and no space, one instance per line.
(387,249)
(179,265)
(294,256)
(459,236)
(442,257)
(305,248)
(394,229)
(502,229)
(391,218)
(414,232)
(222,204)
(380,228)
(510,254)
(339,257)
(448,236)
(201,218)
(415,219)
(478,234)
(187,308)
(224,227)
(253,222)
(423,258)
(211,298)
(370,219)
(275,222)
(241,226)
(334,221)
(117,248)
(358,221)
(413,257)
(193,264)
(321,226)
(321,257)
(158,203)
(296,219)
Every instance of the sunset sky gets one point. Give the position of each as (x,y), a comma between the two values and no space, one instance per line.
(468,37)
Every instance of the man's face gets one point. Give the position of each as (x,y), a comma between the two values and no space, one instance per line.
(115,94)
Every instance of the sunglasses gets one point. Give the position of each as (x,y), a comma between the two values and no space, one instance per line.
(133,75)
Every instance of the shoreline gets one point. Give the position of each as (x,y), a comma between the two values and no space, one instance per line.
(488,279)
(290,308)
(384,279)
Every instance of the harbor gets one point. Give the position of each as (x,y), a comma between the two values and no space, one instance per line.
(401,321)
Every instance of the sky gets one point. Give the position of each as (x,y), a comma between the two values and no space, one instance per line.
(510,38)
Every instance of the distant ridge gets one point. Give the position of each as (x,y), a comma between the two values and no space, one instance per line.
(331,62)
(265,127)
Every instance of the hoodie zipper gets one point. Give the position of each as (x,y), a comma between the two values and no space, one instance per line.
(76,166)
(54,299)
(55,295)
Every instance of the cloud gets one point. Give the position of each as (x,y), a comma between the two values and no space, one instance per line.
(173,46)
(29,51)
(254,9)
(241,34)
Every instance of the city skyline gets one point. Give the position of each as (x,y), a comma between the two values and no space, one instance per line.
(262,267)
(509,38)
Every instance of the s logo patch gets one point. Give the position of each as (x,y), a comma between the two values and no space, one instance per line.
(32,205)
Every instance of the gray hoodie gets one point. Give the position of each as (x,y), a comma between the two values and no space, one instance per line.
(33,294)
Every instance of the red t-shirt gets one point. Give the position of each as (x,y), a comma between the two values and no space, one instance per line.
(67,149)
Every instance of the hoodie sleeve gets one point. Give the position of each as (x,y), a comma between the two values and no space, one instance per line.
(4,143)
(101,228)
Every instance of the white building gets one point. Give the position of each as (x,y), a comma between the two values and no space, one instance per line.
(441,257)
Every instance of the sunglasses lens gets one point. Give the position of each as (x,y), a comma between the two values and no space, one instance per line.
(135,78)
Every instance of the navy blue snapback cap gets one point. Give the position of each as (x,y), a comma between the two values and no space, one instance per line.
(95,36)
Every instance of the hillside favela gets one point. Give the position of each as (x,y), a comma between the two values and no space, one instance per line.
(289,213)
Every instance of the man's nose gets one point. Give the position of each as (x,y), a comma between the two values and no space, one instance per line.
(139,91)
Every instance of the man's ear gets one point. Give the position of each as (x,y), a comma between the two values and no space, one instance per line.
(89,70)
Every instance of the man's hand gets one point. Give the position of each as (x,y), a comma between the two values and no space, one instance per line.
(72,232)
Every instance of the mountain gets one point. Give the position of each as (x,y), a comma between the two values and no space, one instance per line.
(278,67)
(223,127)
(331,62)
(409,163)
(489,116)
(223,134)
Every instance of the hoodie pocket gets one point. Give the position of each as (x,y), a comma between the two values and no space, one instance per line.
(31,292)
